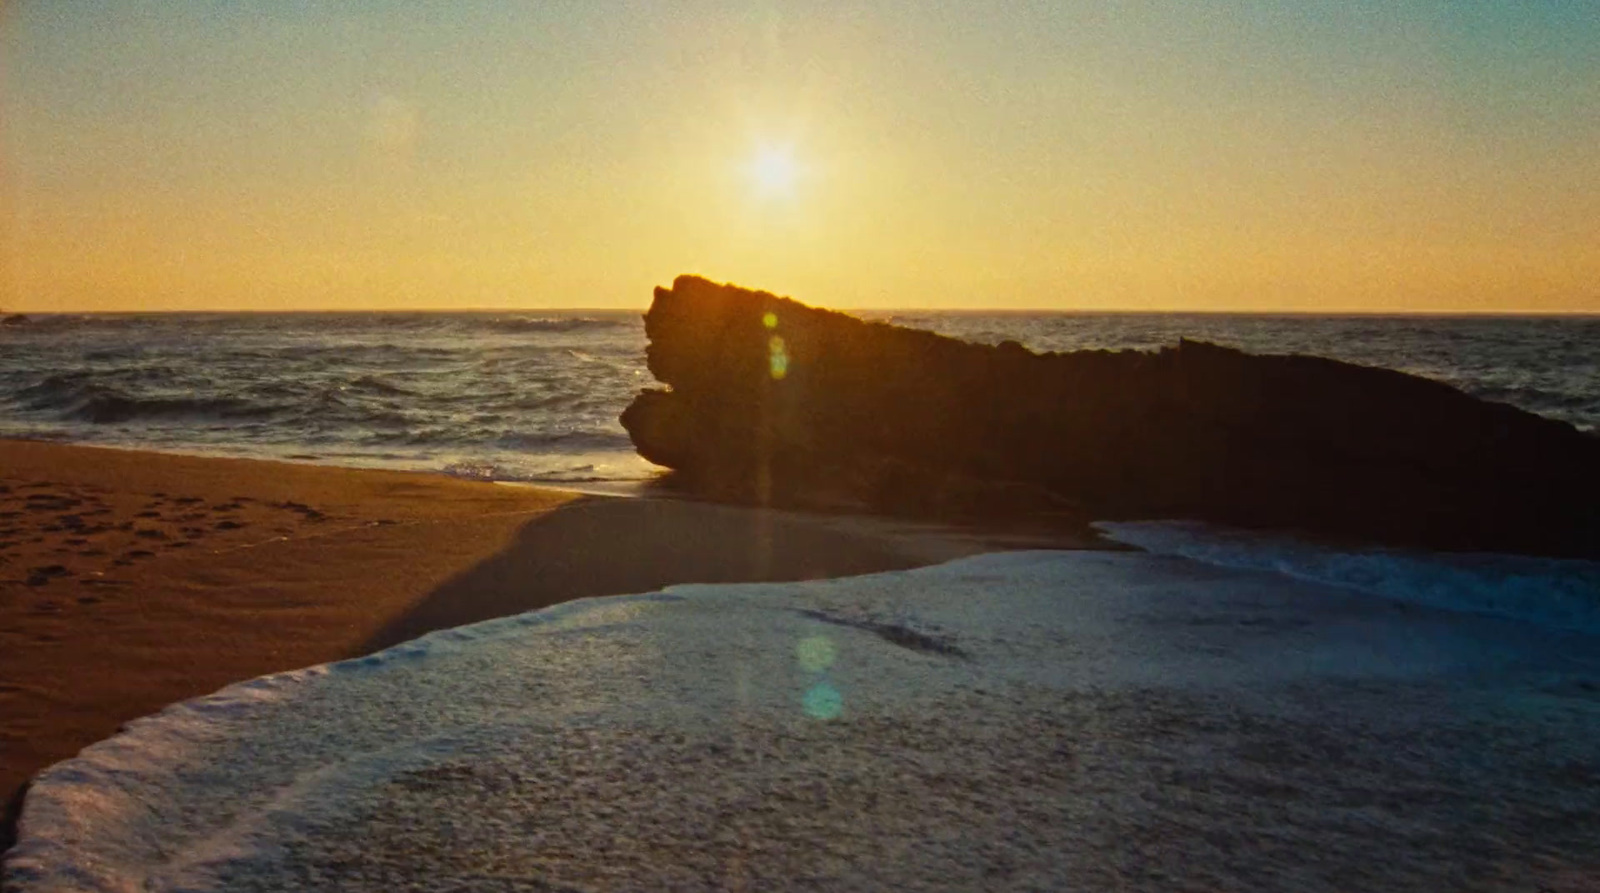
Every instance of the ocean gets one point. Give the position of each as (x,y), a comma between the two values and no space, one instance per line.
(1223,709)
(535,395)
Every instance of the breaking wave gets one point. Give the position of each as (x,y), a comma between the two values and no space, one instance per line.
(552,324)
(1557,593)
(537,393)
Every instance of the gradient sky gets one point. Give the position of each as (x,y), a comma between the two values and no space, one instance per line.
(1295,155)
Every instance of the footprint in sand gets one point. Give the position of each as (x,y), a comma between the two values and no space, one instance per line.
(228,524)
(40,576)
(148,514)
(45,502)
(149,534)
(305,511)
(127,558)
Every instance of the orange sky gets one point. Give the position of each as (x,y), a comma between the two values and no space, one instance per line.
(1247,156)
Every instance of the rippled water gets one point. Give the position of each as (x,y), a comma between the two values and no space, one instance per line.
(510,396)
(535,395)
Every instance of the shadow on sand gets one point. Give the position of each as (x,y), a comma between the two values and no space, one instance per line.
(613,546)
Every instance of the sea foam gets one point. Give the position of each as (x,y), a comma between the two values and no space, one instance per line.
(1088,720)
(1557,593)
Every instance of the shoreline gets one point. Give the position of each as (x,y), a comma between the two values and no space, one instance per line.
(601,486)
(1171,723)
(132,579)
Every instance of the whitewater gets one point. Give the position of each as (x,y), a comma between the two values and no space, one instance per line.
(535,396)
(1031,721)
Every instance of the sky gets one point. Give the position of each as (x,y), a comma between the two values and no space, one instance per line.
(1302,155)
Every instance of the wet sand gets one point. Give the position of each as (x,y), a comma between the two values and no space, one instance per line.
(131,580)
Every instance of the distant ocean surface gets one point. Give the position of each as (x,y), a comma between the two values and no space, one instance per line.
(534,396)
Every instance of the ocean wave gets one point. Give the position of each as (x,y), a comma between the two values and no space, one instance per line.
(111,408)
(82,398)
(375,385)
(514,324)
(547,384)
(1538,399)
(564,441)
(27,323)
(1558,593)
(112,354)
(66,386)
(538,402)
(491,471)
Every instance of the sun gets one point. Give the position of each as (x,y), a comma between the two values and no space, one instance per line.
(774,172)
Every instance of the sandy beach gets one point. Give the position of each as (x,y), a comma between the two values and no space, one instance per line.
(131,580)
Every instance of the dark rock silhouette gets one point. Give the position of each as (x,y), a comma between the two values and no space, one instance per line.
(773,401)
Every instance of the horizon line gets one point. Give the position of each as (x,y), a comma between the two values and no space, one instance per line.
(997,311)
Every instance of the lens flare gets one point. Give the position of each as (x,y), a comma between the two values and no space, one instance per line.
(778,356)
(822,701)
(815,653)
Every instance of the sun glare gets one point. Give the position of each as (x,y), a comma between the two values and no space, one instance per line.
(774,172)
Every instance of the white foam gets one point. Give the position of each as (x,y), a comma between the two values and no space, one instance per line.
(1082,720)
(1558,593)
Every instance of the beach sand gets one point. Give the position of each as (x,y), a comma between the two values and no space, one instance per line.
(130,580)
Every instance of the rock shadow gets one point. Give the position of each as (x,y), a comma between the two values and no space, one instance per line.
(597,546)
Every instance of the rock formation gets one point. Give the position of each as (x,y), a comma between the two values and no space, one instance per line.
(773,401)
